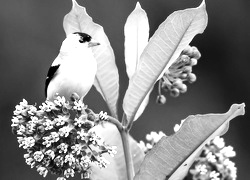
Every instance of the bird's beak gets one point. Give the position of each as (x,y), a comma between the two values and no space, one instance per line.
(93,43)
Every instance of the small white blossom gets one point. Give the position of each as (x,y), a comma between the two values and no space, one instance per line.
(21,130)
(219,142)
(42,171)
(47,106)
(69,172)
(63,148)
(76,149)
(38,156)
(81,120)
(70,159)
(214,175)
(228,151)
(79,105)
(201,168)
(48,124)
(50,153)
(26,142)
(60,101)
(64,131)
(103,116)
(211,158)
(60,120)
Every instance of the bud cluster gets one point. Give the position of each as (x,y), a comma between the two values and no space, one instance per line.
(59,137)
(179,72)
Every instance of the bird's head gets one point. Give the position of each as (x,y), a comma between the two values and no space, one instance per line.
(78,40)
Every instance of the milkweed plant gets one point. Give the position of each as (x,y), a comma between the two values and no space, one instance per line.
(66,138)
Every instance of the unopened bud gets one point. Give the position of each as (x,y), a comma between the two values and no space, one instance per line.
(196,53)
(177,82)
(187,50)
(183,88)
(161,99)
(175,92)
(193,61)
(191,77)
(187,69)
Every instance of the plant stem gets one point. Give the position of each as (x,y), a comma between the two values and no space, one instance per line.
(124,132)
(127,152)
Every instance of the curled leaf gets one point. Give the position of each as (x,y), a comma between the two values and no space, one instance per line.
(107,77)
(172,36)
(172,156)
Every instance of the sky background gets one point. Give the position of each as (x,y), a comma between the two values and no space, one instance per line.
(31,33)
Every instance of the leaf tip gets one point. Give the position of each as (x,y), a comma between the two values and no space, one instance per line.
(240,108)
(138,5)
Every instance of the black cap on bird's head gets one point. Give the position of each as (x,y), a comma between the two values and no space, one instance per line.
(86,38)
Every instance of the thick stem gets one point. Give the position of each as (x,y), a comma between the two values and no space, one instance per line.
(127,153)
(124,132)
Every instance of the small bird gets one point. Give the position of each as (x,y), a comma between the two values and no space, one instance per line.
(74,69)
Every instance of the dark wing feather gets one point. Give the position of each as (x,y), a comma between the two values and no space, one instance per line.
(51,74)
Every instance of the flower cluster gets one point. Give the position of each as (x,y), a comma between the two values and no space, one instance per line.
(214,162)
(59,137)
(179,72)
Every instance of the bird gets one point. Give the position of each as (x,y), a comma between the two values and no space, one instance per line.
(74,69)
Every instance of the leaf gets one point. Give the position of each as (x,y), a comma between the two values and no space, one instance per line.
(107,77)
(172,156)
(116,170)
(172,36)
(136,31)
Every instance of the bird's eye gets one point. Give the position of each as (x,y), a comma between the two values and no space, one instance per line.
(81,40)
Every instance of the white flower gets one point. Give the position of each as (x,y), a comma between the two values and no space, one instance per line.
(79,105)
(64,131)
(201,168)
(219,142)
(48,124)
(103,116)
(211,158)
(228,151)
(214,175)
(26,142)
(60,120)
(42,171)
(70,158)
(76,149)
(38,156)
(63,148)
(69,172)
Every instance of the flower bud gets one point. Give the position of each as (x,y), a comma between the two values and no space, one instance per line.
(193,61)
(191,77)
(183,88)
(161,99)
(175,92)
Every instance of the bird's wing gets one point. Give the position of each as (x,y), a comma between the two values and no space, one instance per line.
(52,72)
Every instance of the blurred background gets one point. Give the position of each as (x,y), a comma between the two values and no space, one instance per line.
(30,37)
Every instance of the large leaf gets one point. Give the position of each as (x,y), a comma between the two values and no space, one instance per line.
(107,78)
(172,36)
(136,31)
(116,170)
(172,156)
